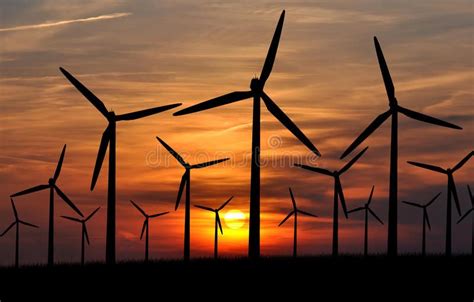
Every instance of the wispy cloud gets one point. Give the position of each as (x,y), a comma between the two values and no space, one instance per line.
(65,22)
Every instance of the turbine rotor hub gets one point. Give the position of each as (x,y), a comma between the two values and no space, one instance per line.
(256,85)
(111,116)
(51,181)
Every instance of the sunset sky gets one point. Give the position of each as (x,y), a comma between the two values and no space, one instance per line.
(139,54)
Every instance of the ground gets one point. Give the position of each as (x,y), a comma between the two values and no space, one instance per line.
(309,278)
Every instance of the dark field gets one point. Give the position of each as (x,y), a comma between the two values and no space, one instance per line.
(306,278)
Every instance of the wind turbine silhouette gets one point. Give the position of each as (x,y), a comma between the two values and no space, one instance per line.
(146,225)
(17,223)
(186,180)
(392,112)
(52,187)
(256,92)
(451,191)
(367,210)
(109,140)
(426,220)
(295,226)
(472,218)
(217,222)
(84,234)
(338,194)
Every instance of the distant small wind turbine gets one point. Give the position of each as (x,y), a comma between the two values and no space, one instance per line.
(84,235)
(146,225)
(470,211)
(52,187)
(295,226)
(17,223)
(256,92)
(393,111)
(108,140)
(338,194)
(217,222)
(426,220)
(186,181)
(451,192)
(367,210)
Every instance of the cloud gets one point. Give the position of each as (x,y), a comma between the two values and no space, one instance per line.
(65,22)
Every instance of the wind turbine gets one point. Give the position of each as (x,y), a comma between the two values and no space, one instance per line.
(109,140)
(338,194)
(52,187)
(393,111)
(426,220)
(146,226)
(367,210)
(472,218)
(295,227)
(451,191)
(85,235)
(17,223)
(217,221)
(186,180)
(256,93)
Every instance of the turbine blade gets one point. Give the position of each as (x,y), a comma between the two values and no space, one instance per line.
(216,102)
(341,196)
(426,118)
(144,113)
(292,199)
(433,200)
(209,163)
(375,216)
(14,209)
(428,167)
(104,143)
(463,161)
(315,169)
(204,208)
(31,190)
(8,229)
(428,221)
(352,161)
(60,164)
(138,208)
(92,214)
(288,123)
(387,79)
(172,152)
(356,210)
(87,235)
(86,92)
(159,214)
(71,218)
(368,131)
(184,179)
(272,50)
(225,203)
(145,225)
(67,200)
(219,223)
(28,224)
(370,196)
(465,215)
(412,204)
(286,218)
(307,213)
(455,193)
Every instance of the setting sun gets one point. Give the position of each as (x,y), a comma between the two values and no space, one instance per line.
(234,219)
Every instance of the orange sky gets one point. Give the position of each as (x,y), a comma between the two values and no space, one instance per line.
(140,54)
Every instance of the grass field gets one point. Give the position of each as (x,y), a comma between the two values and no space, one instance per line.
(317,277)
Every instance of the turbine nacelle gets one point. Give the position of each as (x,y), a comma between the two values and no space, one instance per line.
(111,117)
(256,85)
(51,181)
